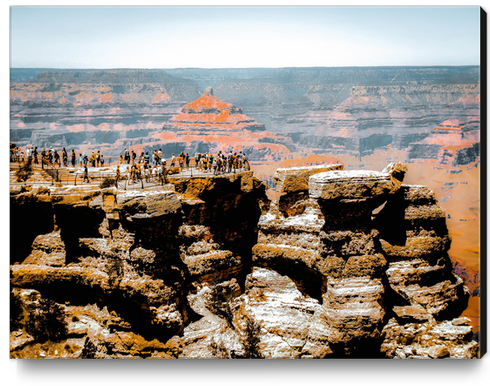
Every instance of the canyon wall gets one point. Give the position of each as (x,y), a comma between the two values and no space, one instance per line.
(106,110)
(320,110)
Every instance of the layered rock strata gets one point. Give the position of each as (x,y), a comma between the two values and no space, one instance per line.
(420,271)
(211,124)
(137,252)
(210,112)
(350,247)
(344,263)
(365,249)
(323,110)
(288,238)
(87,110)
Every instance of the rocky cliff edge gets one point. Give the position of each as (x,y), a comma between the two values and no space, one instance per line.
(344,264)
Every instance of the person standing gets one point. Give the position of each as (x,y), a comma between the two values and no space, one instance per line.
(159,172)
(155,157)
(240,156)
(57,158)
(85,174)
(181,159)
(29,154)
(43,154)
(64,155)
(230,162)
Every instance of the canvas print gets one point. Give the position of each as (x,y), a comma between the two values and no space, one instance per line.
(245,182)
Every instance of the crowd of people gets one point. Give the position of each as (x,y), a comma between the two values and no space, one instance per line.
(153,167)
(205,162)
(146,166)
(52,157)
(220,163)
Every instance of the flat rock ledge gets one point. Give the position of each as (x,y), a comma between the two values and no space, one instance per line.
(351,185)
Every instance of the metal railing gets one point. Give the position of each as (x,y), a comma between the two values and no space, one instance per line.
(53,172)
(124,183)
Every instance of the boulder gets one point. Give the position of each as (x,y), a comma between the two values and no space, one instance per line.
(296,179)
(438,351)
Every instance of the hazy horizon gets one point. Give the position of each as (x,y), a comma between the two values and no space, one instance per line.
(232,68)
(217,37)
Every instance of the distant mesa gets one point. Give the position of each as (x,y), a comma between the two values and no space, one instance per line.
(450,144)
(210,113)
(211,124)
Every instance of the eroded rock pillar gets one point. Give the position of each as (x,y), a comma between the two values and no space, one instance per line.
(353,310)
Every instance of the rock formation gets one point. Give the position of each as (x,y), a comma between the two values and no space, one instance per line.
(210,115)
(346,263)
(210,124)
(449,144)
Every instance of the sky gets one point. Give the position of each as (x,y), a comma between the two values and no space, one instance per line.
(223,37)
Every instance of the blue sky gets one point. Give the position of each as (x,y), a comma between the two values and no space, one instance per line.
(213,37)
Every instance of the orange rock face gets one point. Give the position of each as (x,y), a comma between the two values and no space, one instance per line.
(209,113)
(218,125)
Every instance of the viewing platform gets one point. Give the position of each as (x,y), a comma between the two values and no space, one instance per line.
(56,175)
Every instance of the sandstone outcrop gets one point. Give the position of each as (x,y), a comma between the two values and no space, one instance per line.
(367,248)
(343,264)
(420,270)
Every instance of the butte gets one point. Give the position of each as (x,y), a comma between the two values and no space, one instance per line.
(209,124)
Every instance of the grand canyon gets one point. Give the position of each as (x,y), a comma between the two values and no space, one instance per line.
(355,233)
